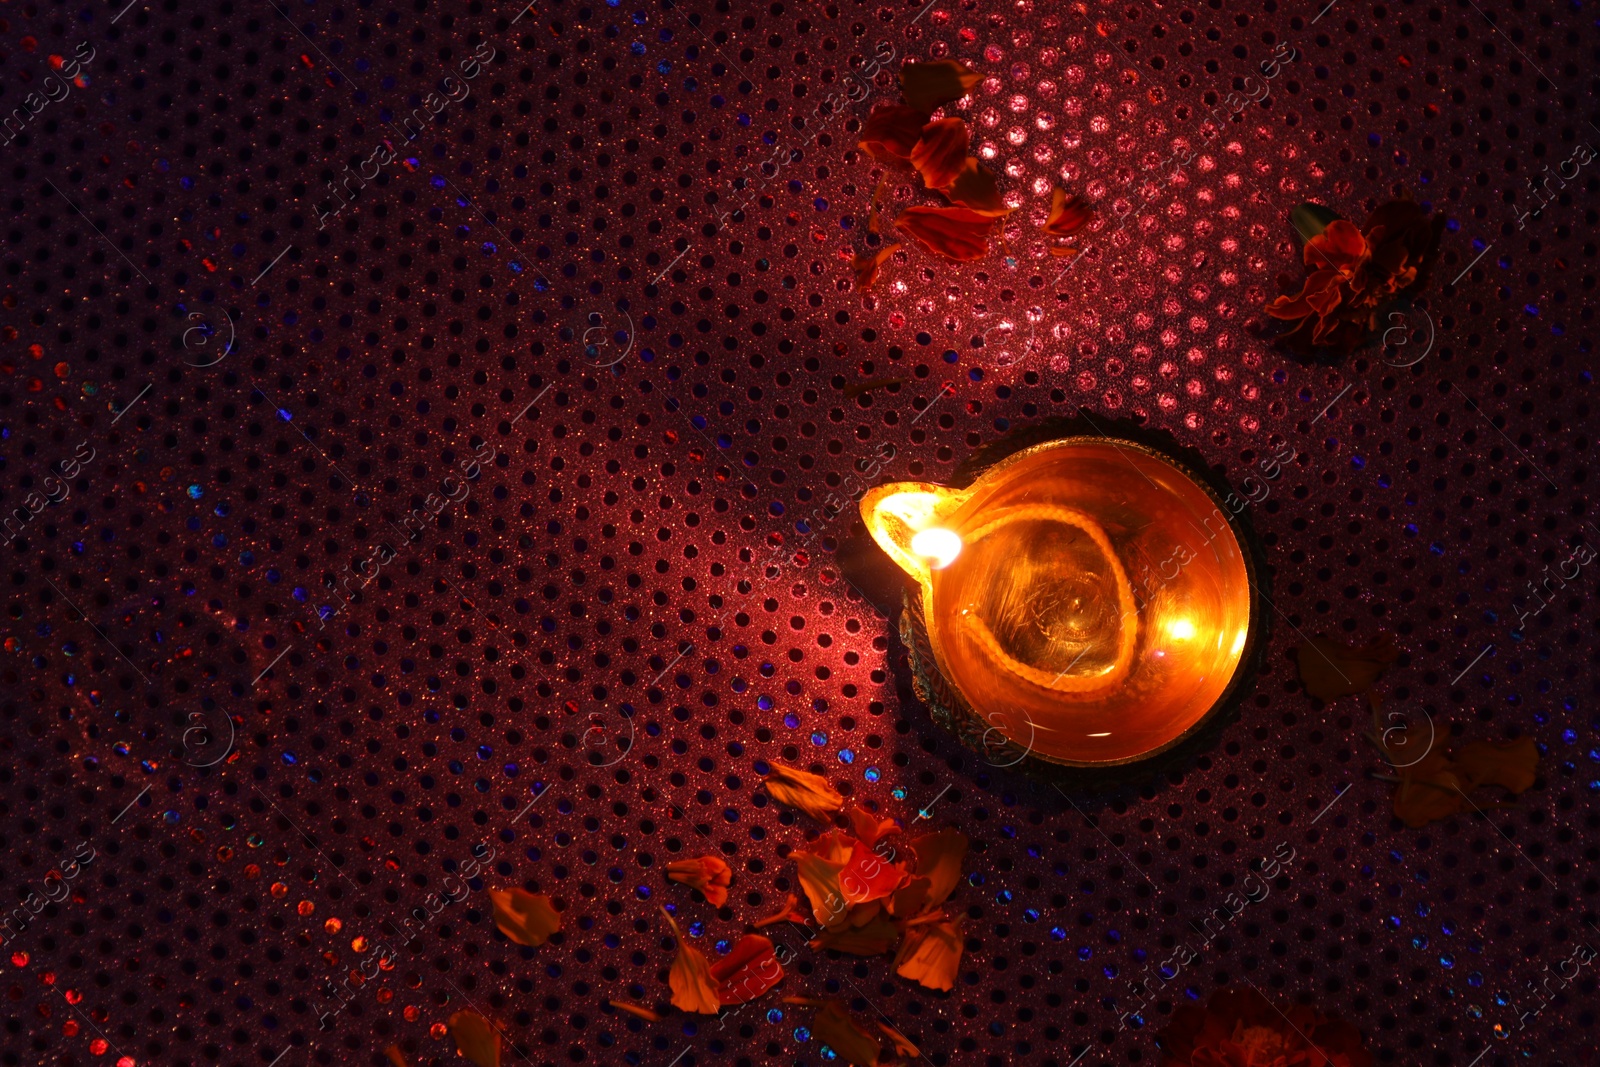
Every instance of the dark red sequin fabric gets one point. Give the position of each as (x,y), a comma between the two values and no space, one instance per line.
(427,432)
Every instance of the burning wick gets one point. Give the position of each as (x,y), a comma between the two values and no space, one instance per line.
(939,545)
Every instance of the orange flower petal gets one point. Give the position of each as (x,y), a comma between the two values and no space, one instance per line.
(747,971)
(693,988)
(868,876)
(974,188)
(939,856)
(891,132)
(910,899)
(956,233)
(1513,765)
(819,880)
(940,152)
(635,1009)
(931,954)
(394,1055)
(706,873)
(868,828)
(476,1038)
(1428,791)
(1340,247)
(834,1027)
(809,792)
(872,938)
(929,86)
(1331,670)
(866,264)
(1068,215)
(902,1043)
(526,918)
(789,913)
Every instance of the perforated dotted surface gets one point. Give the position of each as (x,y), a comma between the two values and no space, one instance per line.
(584,358)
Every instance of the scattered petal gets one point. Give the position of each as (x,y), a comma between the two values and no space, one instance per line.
(706,873)
(872,938)
(1068,215)
(860,915)
(868,828)
(526,918)
(819,879)
(834,1027)
(809,792)
(693,988)
(634,1009)
(867,264)
(834,846)
(891,132)
(940,152)
(789,913)
(939,856)
(476,1038)
(955,233)
(902,1043)
(395,1056)
(748,971)
(868,876)
(1513,765)
(1331,670)
(974,188)
(1428,791)
(931,954)
(910,899)
(929,86)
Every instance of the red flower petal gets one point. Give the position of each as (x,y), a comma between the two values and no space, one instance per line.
(935,84)
(956,233)
(868,876)
(748,971)
(940,152)
(891,132)
(1340,248)
(1068,214)
(975,188)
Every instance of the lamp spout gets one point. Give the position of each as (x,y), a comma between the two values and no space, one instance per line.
(909,522)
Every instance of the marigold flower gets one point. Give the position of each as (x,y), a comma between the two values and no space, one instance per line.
(1352,273)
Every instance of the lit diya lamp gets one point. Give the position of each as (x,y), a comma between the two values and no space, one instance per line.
(1086,601)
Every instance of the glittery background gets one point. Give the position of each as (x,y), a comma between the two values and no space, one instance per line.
(493,501)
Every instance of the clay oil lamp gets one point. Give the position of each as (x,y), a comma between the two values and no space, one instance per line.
(1086,602)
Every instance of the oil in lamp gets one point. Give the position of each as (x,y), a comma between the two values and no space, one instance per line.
(1085,601)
